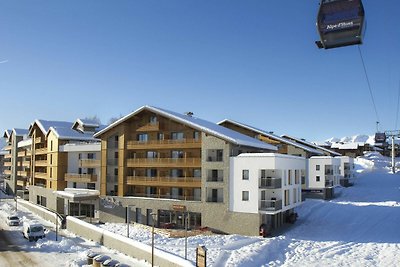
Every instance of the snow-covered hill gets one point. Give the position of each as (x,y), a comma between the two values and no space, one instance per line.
(359,138)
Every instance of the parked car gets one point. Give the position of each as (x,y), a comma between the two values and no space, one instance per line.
(33,231)
(13,220)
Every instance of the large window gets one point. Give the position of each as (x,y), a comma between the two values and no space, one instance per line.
(142,137)
(152,154)
(177,136)
(176,154)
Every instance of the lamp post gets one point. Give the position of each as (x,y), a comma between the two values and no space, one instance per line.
(153,215)
(128,219)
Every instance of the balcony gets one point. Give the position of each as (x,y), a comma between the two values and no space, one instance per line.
(270,205)
(38,140)
(7,172)
(41,151)
(7,156)
(189,182)
(149,127)
(26,163)
(164,144)
(328,183)
(21,183)
(8,148)
(164,162)
(22,153)
(89,163)
(41,163)
(41,175)
(80,178)
(218,179)
(7,164)
(24,173)
(179,197)
(270,183)
(28,153)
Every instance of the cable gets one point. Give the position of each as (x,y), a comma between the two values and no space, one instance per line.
(369,84)
(397,112)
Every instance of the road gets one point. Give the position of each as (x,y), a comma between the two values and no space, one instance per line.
(10,253)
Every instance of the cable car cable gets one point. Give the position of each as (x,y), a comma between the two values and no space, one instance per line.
(369,84)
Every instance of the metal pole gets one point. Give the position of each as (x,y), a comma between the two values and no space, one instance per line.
(152,241)
(127,221)
(186,228)
(56,227)
(393,157)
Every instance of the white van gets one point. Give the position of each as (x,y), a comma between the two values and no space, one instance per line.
(33,231)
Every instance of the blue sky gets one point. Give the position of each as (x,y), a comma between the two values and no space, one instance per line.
(251,61)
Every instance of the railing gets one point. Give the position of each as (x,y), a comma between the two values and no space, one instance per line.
(80,178)
(89,163)
(187,143)
(164,181)
(7,164)
(22,153)
(28,153)
(7,172)
(26,163)
(41,163)
(41,175)
(38,140)
(219,199)
(270,205)
(328,183)
(7,156)
(271,183)
(8,147)
(215,179)
(214,159)
(23,173)
(41,151)
(149,127)
(179,197)
(328,172)
(164,162)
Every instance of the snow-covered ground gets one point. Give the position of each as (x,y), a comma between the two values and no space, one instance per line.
(358,228)
(69,250)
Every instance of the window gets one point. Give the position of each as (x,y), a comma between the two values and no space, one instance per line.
(91,186)
(287,197)
(153,120)
(80,171)
(142,137)
(177,136)
(51,158)
(245,175)
(197,173)
(116,138)
(51,173)
(116,155)
(74,185)
(317,178)
(116,171)
(196,135)
(263,173)
(151,154)
(151,172)
(90,171)
(176,173)
(91,156)
(51,145)
(294,195)
(290,177)
(219,154)
(317,167)
(160,136)
(245,195)
(176,154)
(80,156)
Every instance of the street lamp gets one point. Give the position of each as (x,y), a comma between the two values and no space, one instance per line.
(153,215)
(128,219)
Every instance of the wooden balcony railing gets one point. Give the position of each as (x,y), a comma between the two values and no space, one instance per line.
(41,163)
(164,162)
(179,197)
(22,153)
(41,175)
(41,151)
(7,156)
(8,148)
(7,172)
(80,178)
(7,164)
(24,173)
(28,153)
(26,163)
(164,144)
(89,163)
(149,127)
(164,181)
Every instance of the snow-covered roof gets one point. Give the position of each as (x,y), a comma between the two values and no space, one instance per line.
(70,134)
(7,133)
(272,136)
(267,155)
(311,144)
(76,194)
(20,132)
(198,124)
(45,125)
(25,143)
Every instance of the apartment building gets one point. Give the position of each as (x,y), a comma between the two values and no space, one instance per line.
(284,145)
(325,151)
(268,186)
(177,166)
(50,160)
(12,163)
(347,173)
(323,175)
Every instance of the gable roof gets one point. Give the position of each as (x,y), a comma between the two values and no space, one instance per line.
(198,124)
(7,133)
(70,134)
(301,141)
(45,125)
(273,136)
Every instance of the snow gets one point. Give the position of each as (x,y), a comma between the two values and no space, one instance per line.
(357,228)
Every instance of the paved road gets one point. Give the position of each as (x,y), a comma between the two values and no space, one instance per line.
(10,253)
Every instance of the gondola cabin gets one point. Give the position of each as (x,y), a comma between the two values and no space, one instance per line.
(380,137)
(340,23)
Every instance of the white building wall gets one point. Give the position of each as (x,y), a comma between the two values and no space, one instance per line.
(313,171)
(350,161)
(254,163)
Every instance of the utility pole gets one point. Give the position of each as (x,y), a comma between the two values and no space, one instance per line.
(393,156)
(393,135)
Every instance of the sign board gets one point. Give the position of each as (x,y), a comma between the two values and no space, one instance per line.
(201,256)
(179,207)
